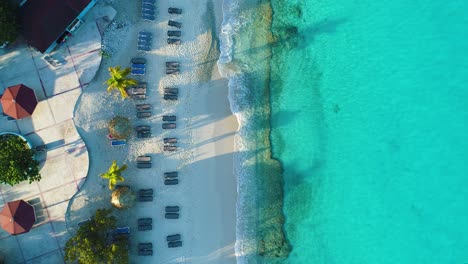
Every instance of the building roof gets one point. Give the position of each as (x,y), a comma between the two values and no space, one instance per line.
(44,21)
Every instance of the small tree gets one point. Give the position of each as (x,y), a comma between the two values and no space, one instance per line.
(114,174)
(8,22)
(17,161)
(92,243)
(119,80)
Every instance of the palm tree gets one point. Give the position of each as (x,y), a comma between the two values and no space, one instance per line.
(114,174)
(119,81)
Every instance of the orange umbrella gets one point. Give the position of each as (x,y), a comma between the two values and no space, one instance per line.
(17,217)
(18,101)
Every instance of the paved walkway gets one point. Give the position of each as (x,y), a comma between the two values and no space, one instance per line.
(64,165)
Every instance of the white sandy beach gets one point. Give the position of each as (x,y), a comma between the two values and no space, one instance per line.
(205,128)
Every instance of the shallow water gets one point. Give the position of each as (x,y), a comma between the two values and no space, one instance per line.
(369,118)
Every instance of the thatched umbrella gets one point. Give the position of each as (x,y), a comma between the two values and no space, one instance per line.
(120,127)
(123,197)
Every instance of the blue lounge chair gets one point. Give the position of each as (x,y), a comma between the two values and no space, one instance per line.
(145,34)
(143,42)
(149,1)
(148,17)
(144,38)
(148,12)
(122,230)
(118,142)
(138,71)
(138,66)
(144,48)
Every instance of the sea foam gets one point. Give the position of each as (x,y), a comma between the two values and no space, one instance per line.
(244,169)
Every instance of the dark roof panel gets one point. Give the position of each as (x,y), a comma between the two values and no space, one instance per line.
(43,21)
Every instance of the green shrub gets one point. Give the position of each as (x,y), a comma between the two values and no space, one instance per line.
(17,161)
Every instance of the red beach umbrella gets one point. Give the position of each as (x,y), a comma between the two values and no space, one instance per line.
(18,101)
(17,217)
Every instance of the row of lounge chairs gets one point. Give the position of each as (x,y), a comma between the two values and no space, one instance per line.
(144,162)
(143,131)
(145,195)
(145,224)
(174,241)
(145,249)
(172,212)
(144,41)
(138,66)
(172,67)
(171,178)
(143,110)
(173,36)
(148,10)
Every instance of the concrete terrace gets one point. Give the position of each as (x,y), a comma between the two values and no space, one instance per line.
(64,165)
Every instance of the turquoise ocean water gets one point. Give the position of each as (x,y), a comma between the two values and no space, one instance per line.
(369,108)
(367,102)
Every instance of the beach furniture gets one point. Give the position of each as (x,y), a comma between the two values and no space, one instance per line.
(145,10)
(173,238)
(138,60)
(145,198)
(139,96)
(170,178)
(171,90)
(145,221)
(174,33)
(144,159)
(122,230)
(170,148)
(145,227)
(144,48)
(173,41)
(173,23)
(170,97)
(172,64)
(148,17)
(147,245)
(172,209)
(143,43)
(145,39)
(143,165)
(138,71)
(143,107)
(172,174)
(168,125)
(148,1)
(148,8)
(145,252)
(145,192)
(174,244)
(171,215)
(138,66)
(144,134)
(171,182)
(145,34)
(170,140)
(169,118)
(136,91)
(172,71)
(143,128)
(173,10)
(118,142)
(143,114)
